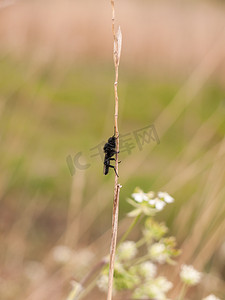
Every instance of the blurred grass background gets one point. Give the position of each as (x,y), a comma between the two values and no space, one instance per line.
(56,99)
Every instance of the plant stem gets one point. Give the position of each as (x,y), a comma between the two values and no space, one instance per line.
(129,229)
(117,39)
(92,284)
(113,243)
(141,259)
(95,269)
(182,292)
(88,288)
(141,242)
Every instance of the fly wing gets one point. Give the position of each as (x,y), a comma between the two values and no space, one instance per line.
(105,169)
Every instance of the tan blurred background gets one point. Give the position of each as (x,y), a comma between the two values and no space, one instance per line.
(56,99)
(173,35)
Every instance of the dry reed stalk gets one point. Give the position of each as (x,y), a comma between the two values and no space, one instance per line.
(117,39)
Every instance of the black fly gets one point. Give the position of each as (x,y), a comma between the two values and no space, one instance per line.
(110,151)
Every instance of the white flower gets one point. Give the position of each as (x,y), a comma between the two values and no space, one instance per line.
(127,250)
(189,275)
(164,284)
(159,204)
(34,271)
(62,254)
(148,269)
(151,195)
(158,252)
(118,266)
(154,289)
(82,258)
(155,292)
(140,196)
(102,283)
(147,291)
(211,297)
(166,197)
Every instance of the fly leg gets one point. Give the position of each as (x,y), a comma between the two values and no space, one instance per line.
(114,160)
(114,152)
(110,166)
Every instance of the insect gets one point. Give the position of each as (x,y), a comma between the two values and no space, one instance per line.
(110,151)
